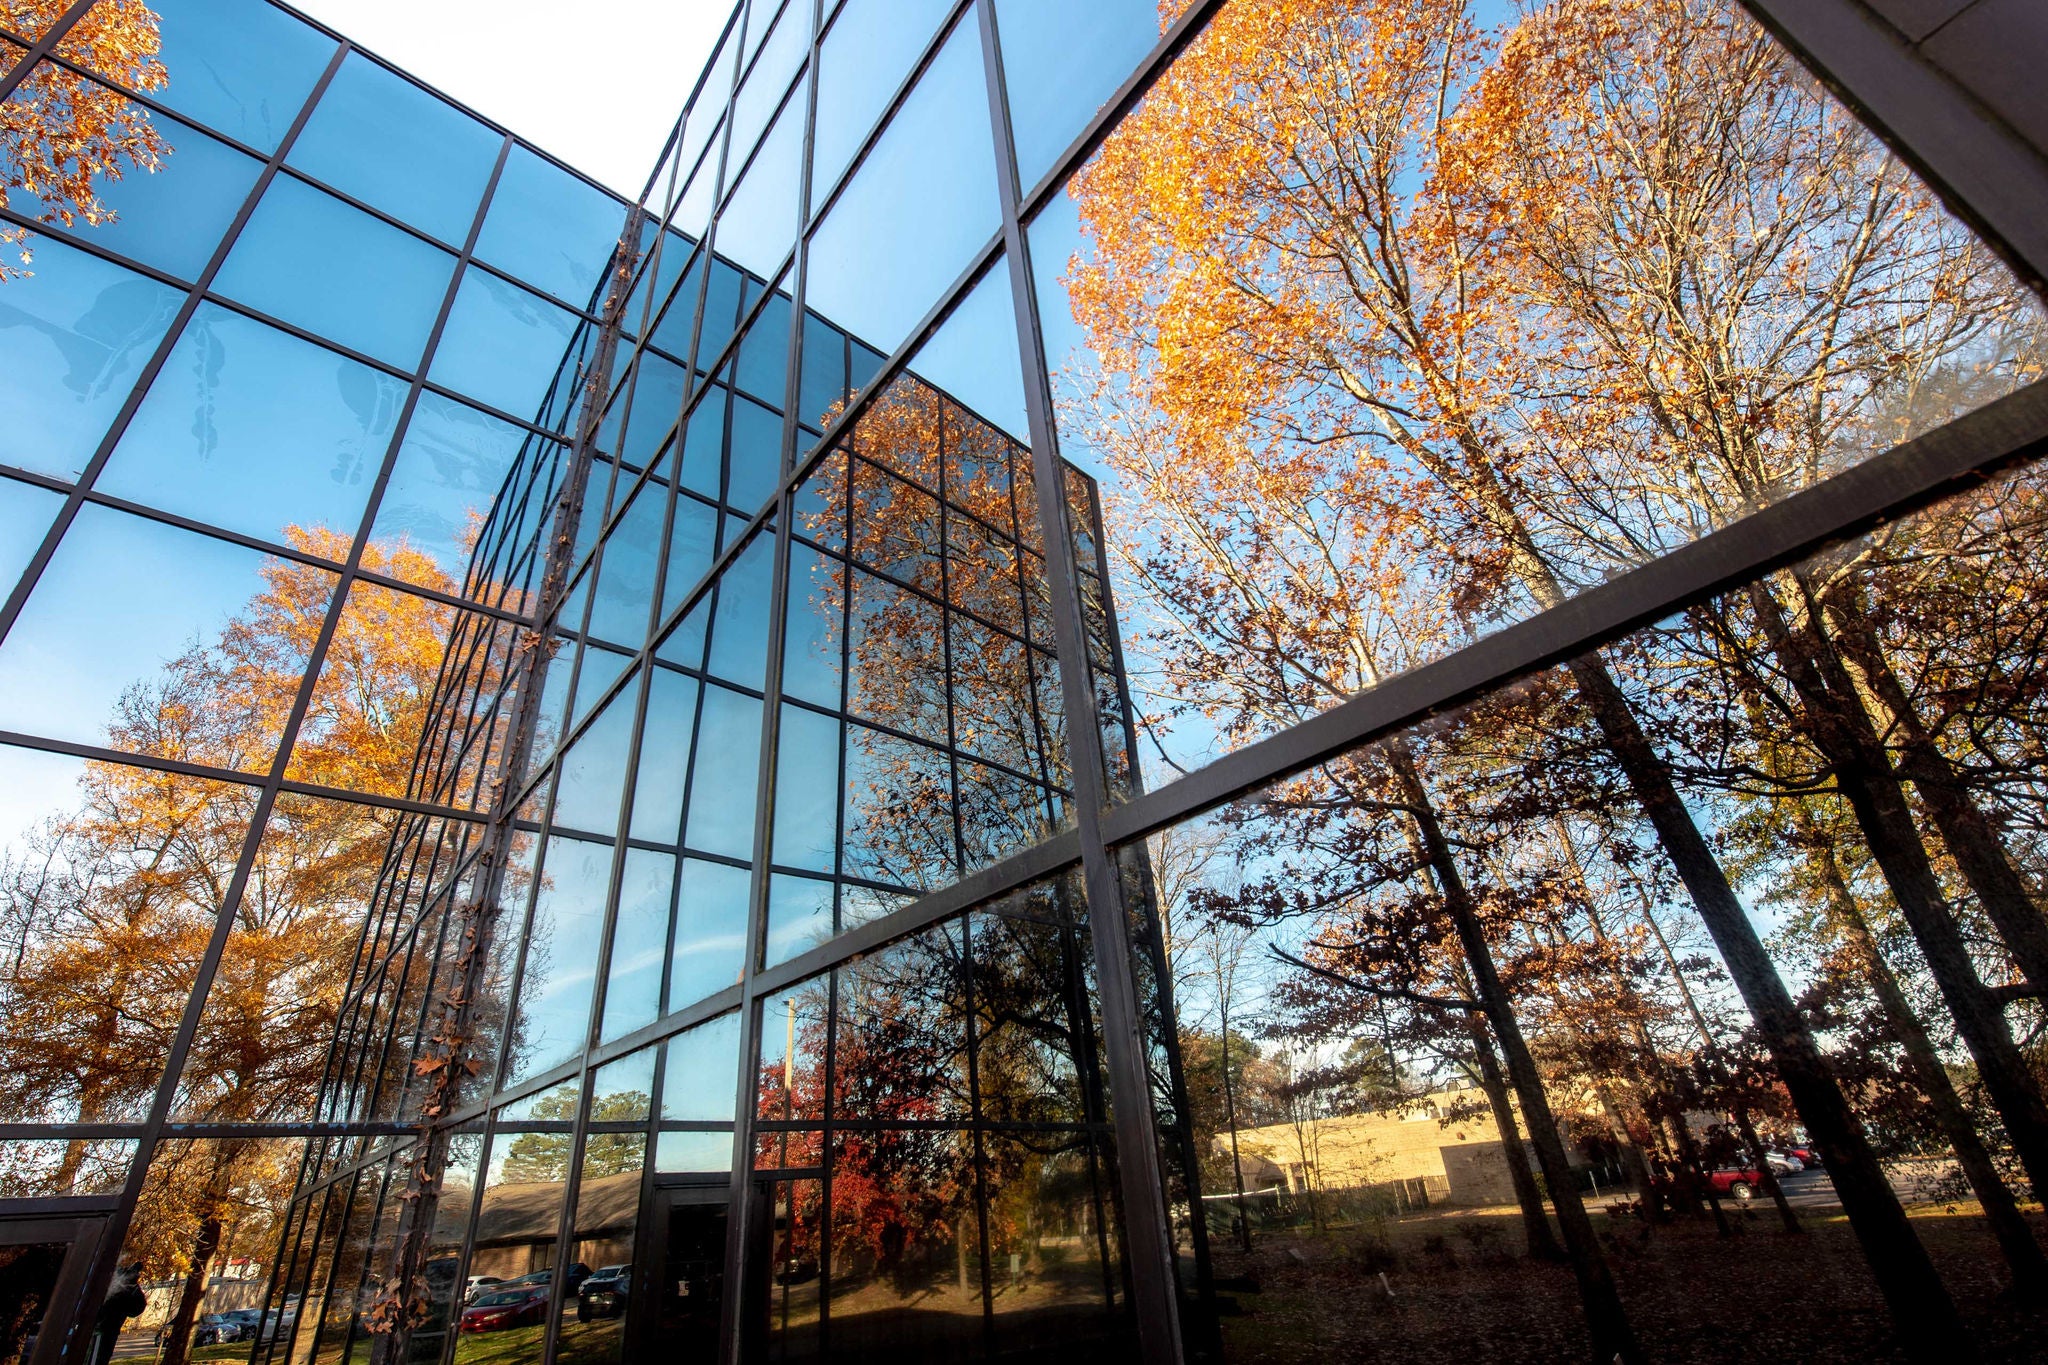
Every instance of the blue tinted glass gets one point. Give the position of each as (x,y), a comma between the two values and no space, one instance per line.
(810,659)
(632,992)
(253,429)
(723,779)
(911,218)
(593,770)
(973,356)
(625,578)
(450,471)
(710,934)
(671,331)
(799,916)
(119,602)
(550,229)
(664,757)
(721,312)
(657,396)
(704,444)
(381,138)
(240,66)
(764,354)
(691,544)
(173,217)
(502,345)
(310,259)
(758,227)
(806,789)
(559,977)
(739,633)
(1062,59)
(768,78)
(756,455)
(865,56)
(74,335)
(823,378)
(25,514)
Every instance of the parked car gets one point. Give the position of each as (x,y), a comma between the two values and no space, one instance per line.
(603,1295)
(1807,1157)
(1737,1182)
(216,1329)
(1783,1163)
(255,1324)
(478,1286)
(508,1307)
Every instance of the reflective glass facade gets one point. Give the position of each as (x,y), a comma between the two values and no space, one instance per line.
(1196,681)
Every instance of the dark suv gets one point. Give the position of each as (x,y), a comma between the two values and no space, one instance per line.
(603,1295)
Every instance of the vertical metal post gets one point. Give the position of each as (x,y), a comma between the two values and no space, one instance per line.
(1147,1229)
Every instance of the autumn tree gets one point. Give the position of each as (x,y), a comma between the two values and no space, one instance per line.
(115,903)
(1308,322)
(62,135)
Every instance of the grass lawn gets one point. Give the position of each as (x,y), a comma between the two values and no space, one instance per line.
(1456,1290)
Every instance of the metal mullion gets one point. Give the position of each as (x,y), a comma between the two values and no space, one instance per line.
(1949,460)
(942,32)
(43,46)
(1147,1225)
(740,1204)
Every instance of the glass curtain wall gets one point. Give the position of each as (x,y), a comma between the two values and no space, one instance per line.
(289,346)
(1212,680)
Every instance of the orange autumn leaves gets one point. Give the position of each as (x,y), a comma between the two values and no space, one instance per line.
(62,136)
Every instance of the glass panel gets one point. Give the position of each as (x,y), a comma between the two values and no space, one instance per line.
(113,877)
(710,931)
(517,1224)
(597,1281)
(132,620)
(379,137)
(811,644)
(1034,1034)
(551,229)
(1061,62)
(739,634)
(900,1048)
(156,190)
(755,460)
(363,725)
(304,257)
(701,1079)
(899,811)
(255,430)
(1052,1253)
(923,200)
(56,1168)
(74,336)
(239,66)
(763,369)
(791,1077)
(919,1291)
(759,223)
(722,795)
(761,91)
(664,757)
(632,995)
(450,473)
(865,57)
(558,977)
(446,1296)
(796,1217)
(1354,473)
(593,769)
(807,790)
(26,512)
(973,357)
(799,917)
(261,1049)
(504,346)
(627,574)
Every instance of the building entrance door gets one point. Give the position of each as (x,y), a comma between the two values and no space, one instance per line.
(43,1262)
(679,1283)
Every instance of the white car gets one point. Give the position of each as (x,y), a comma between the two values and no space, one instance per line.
(477,1284)
(1781,1164)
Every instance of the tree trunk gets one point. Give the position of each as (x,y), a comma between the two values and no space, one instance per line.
(1535,1222)
(2022,1252)
(1834,719)
(1613,1338)
(1920,1304)
(1244,1221)
(1978,851)
(178,1336)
